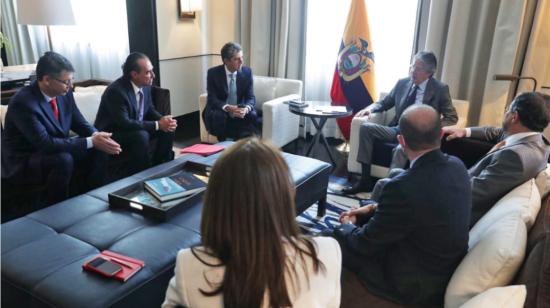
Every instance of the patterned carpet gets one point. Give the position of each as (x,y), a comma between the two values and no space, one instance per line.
(336,204)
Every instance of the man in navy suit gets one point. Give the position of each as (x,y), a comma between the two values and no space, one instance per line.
(407,247)
(230,107)
(36,145)
(126,110)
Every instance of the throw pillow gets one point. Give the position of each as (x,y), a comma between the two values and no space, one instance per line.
(504,297)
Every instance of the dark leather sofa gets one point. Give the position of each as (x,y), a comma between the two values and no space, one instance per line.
(42,253)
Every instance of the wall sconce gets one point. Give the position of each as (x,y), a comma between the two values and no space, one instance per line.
(187,8)
(514,78)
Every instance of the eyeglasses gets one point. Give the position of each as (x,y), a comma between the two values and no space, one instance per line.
(413,68)
(67,82)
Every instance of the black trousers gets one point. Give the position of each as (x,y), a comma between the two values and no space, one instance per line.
(236,128)
(137,147)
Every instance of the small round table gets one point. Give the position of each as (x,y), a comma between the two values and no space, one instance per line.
(319,113)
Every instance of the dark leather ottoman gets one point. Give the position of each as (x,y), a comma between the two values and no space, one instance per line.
(42,253)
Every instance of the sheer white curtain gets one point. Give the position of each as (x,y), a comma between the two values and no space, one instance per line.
(392,25)
(97,45)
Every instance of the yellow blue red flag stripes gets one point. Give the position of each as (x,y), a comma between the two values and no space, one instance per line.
(353,83)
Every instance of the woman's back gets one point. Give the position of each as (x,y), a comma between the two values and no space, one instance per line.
(322,289)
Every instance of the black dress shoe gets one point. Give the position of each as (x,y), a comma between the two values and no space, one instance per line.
(357,188)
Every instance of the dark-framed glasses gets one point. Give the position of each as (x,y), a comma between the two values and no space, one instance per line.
(67,82)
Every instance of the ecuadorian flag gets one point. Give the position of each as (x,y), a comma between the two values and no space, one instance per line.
(353,83)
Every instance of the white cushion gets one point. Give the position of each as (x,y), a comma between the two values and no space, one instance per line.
(3,110)
(493,259)
(98,88)
(88,104)
(503,297)
(524,199)
(264,89)
(543,181)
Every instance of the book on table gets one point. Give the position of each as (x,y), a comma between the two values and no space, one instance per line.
(203,149)
(174,186)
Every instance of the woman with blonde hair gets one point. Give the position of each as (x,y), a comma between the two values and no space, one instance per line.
(252,252)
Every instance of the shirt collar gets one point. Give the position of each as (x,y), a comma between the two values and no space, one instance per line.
(48,99)
(516,138)
(227,72)
(423,84)
(136,88)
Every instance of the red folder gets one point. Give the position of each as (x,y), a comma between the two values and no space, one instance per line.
(129,266)
(202,149)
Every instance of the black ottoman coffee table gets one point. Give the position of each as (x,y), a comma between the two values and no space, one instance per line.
(42,253)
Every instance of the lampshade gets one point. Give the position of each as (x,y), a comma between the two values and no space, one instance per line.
(45,12)
(188,6)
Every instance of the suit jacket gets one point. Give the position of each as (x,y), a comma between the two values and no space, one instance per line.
(496,173)
(418,234)
(31,130)
(118,110)
(319,290)
(216,86)
(436,95)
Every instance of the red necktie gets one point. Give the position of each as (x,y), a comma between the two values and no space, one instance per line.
(54,107)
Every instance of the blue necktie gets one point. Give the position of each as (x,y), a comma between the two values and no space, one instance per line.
(232,98)
(411,99)
(140,106)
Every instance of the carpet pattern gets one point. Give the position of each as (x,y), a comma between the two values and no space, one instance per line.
(336,204)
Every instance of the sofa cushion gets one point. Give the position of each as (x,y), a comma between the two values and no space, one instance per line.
(493,259)
(98,89)
(524,199)
(535,274)
(264,90)
(88,103)
(543,181)
(503,297)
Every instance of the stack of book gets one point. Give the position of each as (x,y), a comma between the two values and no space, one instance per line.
(297,104)
(176,186)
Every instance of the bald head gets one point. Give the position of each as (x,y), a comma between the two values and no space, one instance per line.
(420,126)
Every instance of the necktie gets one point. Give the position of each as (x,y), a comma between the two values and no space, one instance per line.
(232,98)
(497,146)
(53,102)
(140,106)
(412,97)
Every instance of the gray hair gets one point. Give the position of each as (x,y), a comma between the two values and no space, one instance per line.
(429,59)
(230,49)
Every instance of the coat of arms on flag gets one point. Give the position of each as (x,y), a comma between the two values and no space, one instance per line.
(353,81)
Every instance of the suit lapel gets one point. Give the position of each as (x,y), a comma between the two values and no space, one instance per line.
(48,111)
(223,80)
(132,98)
(406,94)
(429,92)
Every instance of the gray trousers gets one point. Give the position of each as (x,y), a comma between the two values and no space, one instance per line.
(368,132)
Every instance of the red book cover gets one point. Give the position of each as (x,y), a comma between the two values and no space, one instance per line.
(202,149)
(130,266)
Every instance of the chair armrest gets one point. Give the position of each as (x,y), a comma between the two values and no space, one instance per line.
(279,124)
(205,135)
(353,165)
(161,100)
(462,107)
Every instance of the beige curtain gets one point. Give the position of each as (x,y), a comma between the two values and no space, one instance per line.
(474,40)
(272,33)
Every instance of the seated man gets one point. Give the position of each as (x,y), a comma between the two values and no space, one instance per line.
(126,110)
(420,88)
(230,107)
(418,233)
(520,153)
(36,145)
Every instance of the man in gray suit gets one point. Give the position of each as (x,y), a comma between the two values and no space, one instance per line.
(420,88)
(520,153)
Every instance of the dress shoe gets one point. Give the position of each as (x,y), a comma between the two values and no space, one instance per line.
(361,186)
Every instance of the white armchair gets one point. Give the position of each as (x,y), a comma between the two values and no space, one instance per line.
(385,117)
(279,124)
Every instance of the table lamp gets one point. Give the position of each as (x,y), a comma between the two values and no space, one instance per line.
(45,13)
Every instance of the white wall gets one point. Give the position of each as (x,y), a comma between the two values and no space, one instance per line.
(184,45)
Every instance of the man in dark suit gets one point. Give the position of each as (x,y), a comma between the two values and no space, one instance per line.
(414,238)
(230,107)
(126,110)
(420,88)
(36,145)
(520,153)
